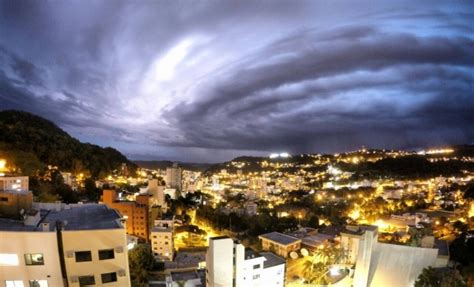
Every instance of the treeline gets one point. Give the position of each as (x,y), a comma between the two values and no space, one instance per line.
(31,142)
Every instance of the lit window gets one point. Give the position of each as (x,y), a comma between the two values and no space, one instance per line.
(8,259)
(106,254)
(86,280)
(109,277)
(14,283)
(34,259)
(83,256)
(38,283)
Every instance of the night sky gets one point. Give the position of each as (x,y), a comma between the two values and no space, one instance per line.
(209,80)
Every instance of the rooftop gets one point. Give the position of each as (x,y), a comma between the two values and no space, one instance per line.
(161,229)
(358,229)
(219,237)
(280,238)
(272,260)
(250,254)
(85,217)
(184,276)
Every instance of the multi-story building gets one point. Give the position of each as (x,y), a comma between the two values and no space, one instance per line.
(229,263)
(9,182)
(280,243)
(174,177)
(136,213)
(162,242)
(64,245)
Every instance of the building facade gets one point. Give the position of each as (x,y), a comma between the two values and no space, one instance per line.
(229,263)
(64,245)
(174,177)
(136,213)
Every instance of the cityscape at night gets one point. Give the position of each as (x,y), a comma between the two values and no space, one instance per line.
(236,143)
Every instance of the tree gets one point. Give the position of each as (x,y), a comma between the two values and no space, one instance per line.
(431,277)
(140,261)
(317,267)
(91,191)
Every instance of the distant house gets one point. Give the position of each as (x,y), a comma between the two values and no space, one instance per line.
(280,243)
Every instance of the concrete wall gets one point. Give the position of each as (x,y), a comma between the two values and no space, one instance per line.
(21,243)
(219,262)
(95,240)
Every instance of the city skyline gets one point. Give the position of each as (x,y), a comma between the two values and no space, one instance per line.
(209,81)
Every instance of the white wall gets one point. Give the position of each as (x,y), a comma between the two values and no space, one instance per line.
(20,243)
(95,240)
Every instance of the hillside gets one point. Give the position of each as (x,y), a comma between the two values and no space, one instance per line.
(31,142)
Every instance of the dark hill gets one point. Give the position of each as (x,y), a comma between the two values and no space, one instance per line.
(31,142)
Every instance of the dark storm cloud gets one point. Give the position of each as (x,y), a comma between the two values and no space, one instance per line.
(240,107)
(210,80)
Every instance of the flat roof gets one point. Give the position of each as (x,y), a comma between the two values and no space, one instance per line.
(280,238)
(85,217)
(184,276)
(161,229)
(272,260)
(250,254)
(219,237)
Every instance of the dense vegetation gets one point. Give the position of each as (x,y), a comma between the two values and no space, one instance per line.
(31,142)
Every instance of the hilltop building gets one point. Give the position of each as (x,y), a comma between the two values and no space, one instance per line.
(229,263)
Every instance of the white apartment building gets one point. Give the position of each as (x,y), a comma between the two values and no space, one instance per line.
(64,245)
(230,264)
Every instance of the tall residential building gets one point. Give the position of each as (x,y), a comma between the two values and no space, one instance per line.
(157,192)
(136,213)
(63,245)
(229,263)
(162,242)
(174,177)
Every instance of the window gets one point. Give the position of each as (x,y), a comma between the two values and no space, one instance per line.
(83,256)
(14,283)
(4,199)
(106,254)
(34,259)
(86,280)
(9,259)
(256,266)
(109,277)
(38,283)
(256,276)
